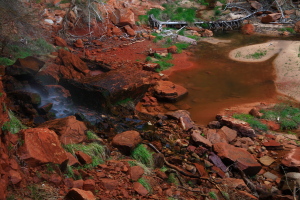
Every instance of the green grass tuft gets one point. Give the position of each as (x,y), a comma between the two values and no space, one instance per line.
(6,61)
(252,121)
(146,184)
(94,150)
(143,155)
(257,55)
(91,135)
(14,125)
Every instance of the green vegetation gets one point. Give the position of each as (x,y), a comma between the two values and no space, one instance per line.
(94,150)
(14,125)
(42,191)
(143,155)
(172,179)
(146,184)
(181,46)
(213,195)
(123,101)
(91,135)
(253,122)
(287,116)
(6,61)
(257,55)
(174,13)
(288,29)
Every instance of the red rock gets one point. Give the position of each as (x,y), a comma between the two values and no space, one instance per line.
(126,141)
(72,62)
(89,184)
(183,116)
(243,159)
(207,33)
(69,182)
(230,133)
(215,136)
(151,67)
(116,31)
(25,66)
(272,144)
(129,30)
(166,90)
(109,184)
(79,194)
(172,49)
(201,169)
(297,27)
(136,172)
(256,5)
(199,139)
(270,18)
(60,42)
(218,171)
(15,177)
(140,189)
(122,17)
(234,183)
(55,178)
(292,159)
(41,146)
(70,130)
(72,160)
(161,174)
(83,158)
(246,195)
(255,113)
(273,126)
(243,128)
(79,43)
(78,184)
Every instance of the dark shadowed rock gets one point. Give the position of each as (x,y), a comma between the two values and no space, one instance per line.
(26,97)
(136,172)
(217,161)
(79,194)
(126,141)
(166,90)
(69,130)
(243,159)
(103,91)
(292,159)
(214,124)
(28,66)
(243,128)
(199,139)
(41,146)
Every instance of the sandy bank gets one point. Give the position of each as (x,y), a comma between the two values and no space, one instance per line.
(287,63)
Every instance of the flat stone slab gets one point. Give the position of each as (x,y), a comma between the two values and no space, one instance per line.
(292,159)
(266,160)
(243,159)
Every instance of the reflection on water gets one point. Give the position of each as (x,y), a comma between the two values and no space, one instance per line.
(219,82)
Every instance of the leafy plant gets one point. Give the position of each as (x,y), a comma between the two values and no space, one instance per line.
(146,184)
(94,150)
(6,61)
(253,122)
(148,59)
(142,154)
(14,125)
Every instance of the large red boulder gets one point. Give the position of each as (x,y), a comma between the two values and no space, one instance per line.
(69,130)
(243,159)
(166,90)
(41,146)
(127,141)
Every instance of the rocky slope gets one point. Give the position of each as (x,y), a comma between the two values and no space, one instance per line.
(137,148)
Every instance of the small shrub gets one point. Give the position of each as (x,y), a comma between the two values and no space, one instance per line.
(181,46)
(181,32)
(14,125)
(148,59)
(142,154)
(143,19)
(253,122)
(163,65)
(146,184)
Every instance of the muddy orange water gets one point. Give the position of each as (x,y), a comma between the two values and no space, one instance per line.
(218,82)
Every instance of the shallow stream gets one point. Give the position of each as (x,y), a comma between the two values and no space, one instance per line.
(219,82)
